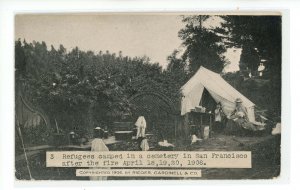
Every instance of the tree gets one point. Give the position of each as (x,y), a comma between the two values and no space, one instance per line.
(204,46)
(177,69)
(249,60)
(20,63)
(264,34)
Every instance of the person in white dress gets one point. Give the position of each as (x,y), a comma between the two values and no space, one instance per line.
(141,126)
(218,124)
(98,146)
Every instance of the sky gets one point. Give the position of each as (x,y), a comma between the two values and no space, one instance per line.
(155,36)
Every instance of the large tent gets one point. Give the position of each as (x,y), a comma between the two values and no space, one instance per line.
(218,88)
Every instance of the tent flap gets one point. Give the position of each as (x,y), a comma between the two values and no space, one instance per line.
(193,98)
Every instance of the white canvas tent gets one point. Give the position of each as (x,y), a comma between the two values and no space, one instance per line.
(218,88)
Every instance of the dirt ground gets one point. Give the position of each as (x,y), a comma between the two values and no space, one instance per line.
(265,160)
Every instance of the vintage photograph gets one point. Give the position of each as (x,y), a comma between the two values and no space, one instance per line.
(167,83)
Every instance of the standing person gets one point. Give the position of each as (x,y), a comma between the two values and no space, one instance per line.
(218,118)
(260,69)
(144,146)
(141,129)
(98,146)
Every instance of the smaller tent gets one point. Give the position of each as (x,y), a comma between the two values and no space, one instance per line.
(218,88)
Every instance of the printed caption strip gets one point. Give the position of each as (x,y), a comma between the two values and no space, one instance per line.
(181,162)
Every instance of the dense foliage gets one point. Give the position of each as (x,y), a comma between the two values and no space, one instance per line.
(80,88)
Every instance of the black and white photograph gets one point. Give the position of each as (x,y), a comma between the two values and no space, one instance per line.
(167,85)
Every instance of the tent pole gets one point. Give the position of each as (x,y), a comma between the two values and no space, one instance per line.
(27,163)
(56,126)
(175,129)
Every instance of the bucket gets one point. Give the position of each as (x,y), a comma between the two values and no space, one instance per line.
(205,132)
